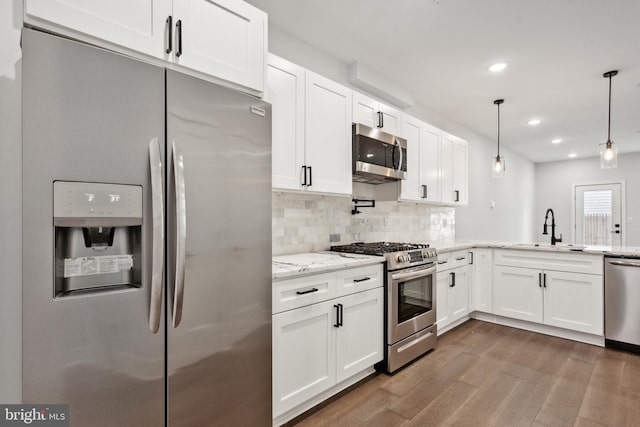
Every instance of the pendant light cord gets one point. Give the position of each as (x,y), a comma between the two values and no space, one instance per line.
(499,128)
(609,127)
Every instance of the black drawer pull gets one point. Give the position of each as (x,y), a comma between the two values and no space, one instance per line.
(460,258)
(362,280)
(307,292)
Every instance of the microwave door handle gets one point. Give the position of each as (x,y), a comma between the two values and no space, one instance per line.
(157,226)
(181,234)
(400,163)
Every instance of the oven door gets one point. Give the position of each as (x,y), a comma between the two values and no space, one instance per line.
(411,304)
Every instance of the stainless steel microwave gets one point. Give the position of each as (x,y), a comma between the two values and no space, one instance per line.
(378,157)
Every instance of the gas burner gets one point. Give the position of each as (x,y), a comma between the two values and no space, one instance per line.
(378,248)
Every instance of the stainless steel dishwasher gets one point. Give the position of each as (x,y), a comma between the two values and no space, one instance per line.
(622,303)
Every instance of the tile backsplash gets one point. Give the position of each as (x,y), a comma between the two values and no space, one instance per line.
(312,223)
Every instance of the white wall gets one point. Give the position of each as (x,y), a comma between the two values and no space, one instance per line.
(554,187)
(511,219)
(10,202)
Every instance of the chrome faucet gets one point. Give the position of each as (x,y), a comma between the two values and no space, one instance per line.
(554,239)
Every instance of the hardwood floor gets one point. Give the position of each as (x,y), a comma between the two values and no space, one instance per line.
(484,374)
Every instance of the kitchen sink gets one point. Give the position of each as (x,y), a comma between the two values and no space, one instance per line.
(557,246)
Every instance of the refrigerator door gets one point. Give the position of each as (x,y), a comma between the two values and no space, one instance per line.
(89,116)
(219,217)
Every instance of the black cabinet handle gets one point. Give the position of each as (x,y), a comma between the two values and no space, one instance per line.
(337,307)
(457,192)
(362,280)
(307,292)
(179,37)
(379,119)
(544,280)
(341,310)
(304,176)
(453,280)
(471,260)
(424,191)
(310,176)
(169,34)
(460,258)
(442,262)
(540,280)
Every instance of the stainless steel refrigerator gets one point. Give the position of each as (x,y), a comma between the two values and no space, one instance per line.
(146,242)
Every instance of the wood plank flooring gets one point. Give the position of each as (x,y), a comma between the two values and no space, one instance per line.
(484,374)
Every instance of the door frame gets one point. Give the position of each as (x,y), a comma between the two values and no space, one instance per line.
(623,207)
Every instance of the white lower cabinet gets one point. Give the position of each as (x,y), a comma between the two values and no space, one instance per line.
(482,280)
(452,289)
(318,346)
(304,347)
(562,299)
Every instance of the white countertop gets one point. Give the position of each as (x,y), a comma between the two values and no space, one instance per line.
(449,246)
(287,266)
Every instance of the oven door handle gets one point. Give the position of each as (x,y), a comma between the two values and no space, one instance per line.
(413,274)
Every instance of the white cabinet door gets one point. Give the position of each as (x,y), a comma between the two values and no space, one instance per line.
(446,173)
(430,163)
(375,114)
(391,119)
(360,335)
(328,135)
(304,346)
(460,172)
(223,38)
(482,280)
(137,25)
(517,293)
(574,301)
(285,92)
(443,281)
(411,188)
(365,110)
(459,293)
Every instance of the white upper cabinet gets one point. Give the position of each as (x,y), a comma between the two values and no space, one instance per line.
(375,114)
(311,130)
(223,38)
(455,170)
(285,92)
(226,39)
(430,164)
(327,136)
(411,188)
(138,25)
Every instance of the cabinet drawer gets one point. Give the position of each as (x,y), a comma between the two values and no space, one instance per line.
(444,262)
(298,292)
(359,279)
(460,259)
(550,260)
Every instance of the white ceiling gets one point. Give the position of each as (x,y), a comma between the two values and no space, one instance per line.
(556,51)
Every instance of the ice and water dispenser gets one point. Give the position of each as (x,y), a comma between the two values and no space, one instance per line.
(98,236)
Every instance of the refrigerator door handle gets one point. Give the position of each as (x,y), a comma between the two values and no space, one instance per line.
(157,214)
(181,234)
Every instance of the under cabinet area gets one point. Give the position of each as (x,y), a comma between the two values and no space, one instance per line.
(226,39)
(452,289)
(327,328)
(562,290)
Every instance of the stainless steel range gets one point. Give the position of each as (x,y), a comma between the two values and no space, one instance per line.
(409,298)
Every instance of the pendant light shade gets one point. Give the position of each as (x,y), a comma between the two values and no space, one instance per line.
(498,163)
(609,152)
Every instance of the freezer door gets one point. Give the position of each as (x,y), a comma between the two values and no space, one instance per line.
(219,247)
(89,116)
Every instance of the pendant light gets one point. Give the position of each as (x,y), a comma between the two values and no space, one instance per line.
(609,154)
(498,162)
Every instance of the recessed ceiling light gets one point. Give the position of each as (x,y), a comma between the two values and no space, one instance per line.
(556,141)
(572,155)
(495,68)
(534,122)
